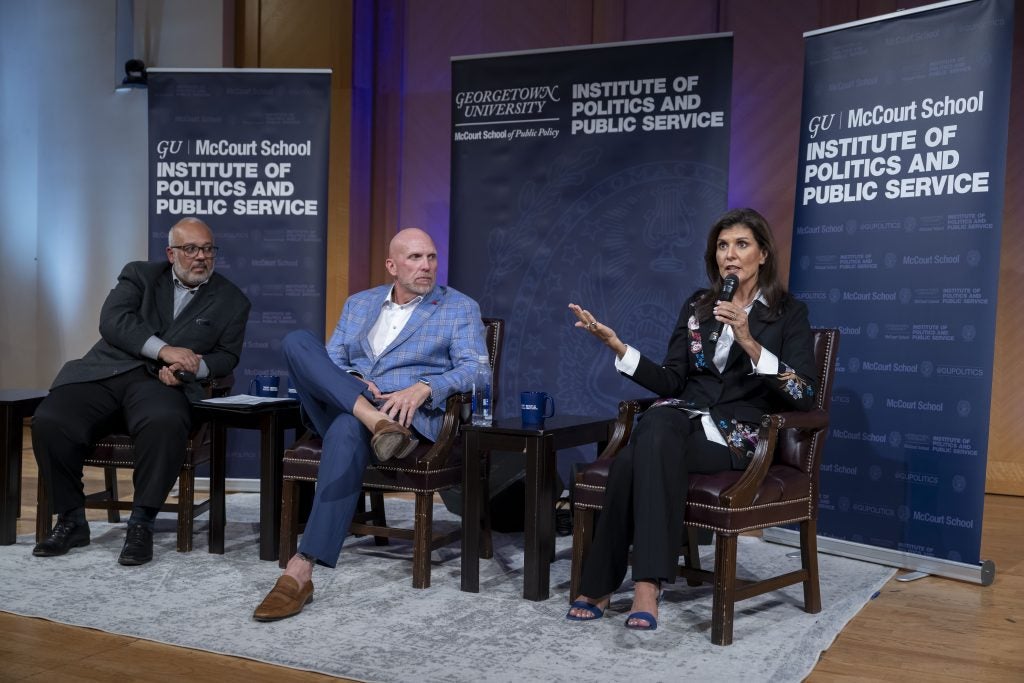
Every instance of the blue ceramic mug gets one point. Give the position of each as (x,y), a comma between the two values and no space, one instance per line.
(536,406)
(264,385)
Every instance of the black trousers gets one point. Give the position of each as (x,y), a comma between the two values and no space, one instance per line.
(73,416)
(645,501)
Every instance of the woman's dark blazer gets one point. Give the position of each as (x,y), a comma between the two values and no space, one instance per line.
(736,398)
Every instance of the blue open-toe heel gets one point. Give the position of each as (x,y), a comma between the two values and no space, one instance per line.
(652,622)
(595,611)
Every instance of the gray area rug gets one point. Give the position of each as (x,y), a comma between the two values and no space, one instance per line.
(366,621)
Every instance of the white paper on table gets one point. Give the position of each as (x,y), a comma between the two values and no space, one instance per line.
(244,400)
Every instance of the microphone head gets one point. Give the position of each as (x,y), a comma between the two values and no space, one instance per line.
(729,286)
(184,376)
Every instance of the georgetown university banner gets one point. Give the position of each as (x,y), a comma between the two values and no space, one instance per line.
(896,243)
(586,175)
(246,151)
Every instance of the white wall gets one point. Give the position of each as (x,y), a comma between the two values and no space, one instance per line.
(73,175)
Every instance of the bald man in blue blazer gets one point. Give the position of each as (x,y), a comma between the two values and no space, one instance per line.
(380,384)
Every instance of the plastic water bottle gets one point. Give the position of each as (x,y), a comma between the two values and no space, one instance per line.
(482,392)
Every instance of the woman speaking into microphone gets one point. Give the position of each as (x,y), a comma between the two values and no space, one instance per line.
(740,349)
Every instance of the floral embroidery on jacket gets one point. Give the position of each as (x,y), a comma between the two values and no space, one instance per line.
(742,437)
(793,385)
(696,347)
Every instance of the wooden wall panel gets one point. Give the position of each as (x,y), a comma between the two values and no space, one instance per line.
(1005,455)
(766,99)
(311,34)
(649,19)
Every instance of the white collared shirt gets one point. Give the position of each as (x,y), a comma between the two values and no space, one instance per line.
(391,321)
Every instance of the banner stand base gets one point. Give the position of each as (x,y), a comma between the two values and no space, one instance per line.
(983,573)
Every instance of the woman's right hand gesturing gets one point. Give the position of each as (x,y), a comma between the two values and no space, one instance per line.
(585,320)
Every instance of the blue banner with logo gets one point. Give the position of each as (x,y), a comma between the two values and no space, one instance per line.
(246,151)
(590,176)
(896,242)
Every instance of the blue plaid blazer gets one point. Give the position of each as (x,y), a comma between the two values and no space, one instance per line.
(441,343)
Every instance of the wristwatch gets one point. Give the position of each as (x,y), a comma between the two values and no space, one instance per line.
(430,396)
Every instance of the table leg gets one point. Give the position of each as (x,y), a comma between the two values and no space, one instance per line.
(271,452)
(10,474)
(540,512)
(218,464)
(471,514)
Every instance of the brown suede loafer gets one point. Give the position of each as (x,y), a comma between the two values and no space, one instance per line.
(392,440)
(286,599)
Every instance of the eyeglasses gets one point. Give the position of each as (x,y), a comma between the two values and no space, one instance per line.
(191,250)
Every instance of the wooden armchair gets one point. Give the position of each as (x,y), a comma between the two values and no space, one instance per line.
(780,486)
(117,450)
(431,468)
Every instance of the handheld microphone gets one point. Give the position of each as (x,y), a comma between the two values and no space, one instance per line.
(728,290)
(184,376)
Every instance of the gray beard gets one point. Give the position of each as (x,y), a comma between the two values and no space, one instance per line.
(187,278)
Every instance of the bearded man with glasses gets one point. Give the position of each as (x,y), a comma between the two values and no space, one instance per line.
(163,326)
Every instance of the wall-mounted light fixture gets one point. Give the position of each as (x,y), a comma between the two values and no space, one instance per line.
(134,74)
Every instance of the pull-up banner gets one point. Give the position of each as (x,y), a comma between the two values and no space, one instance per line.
(246,151)
(896,242)
(586,175)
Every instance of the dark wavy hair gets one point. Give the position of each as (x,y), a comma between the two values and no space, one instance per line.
(767,277)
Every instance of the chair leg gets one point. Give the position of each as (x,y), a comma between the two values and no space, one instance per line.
(423,534)
(361,508)
(809,561)
(289,521)
(691,557)
(44,515)
(378,516)
(723,603)
(582,535)
(110,481)
(186,508)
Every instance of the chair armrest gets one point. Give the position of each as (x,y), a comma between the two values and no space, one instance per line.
(810,420)
(455,408)
(743,491)
(628,412)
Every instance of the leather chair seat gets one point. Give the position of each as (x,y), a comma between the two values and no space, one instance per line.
(415,473)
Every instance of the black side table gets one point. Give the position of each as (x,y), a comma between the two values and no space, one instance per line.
(538,444)
(15,406)
(271,420)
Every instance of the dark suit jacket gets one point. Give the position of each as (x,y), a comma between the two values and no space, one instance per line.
(736,398)
(141,305)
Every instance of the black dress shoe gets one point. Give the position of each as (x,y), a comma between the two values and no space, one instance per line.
(138,546)
(66,535)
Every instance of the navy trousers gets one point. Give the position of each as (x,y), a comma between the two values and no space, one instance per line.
(328,395)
